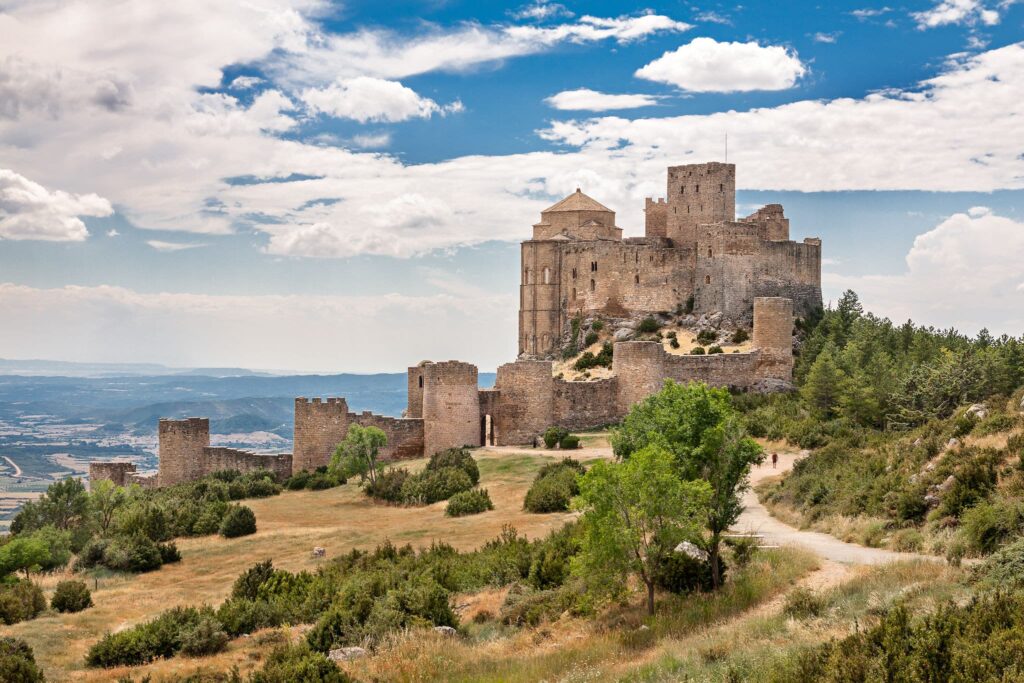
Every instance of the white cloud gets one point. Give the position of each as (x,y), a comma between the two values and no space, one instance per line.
(297,333)
(827,38)
(591,100)
(372,140)
(706,65)
(373,99)
(964,272)
(28,211)
(713,18)
(160,245)
(245,82)
(966,12)
(542,10)
(113,232)
(870,12)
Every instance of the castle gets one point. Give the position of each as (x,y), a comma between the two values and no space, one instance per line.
(576,265)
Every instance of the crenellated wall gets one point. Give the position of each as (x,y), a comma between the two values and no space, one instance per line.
(319,427)
(181,449)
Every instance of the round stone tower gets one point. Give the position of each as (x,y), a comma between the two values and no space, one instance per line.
(451,406)
(181,449)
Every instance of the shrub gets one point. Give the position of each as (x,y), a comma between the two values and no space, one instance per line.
(648,325)
(802,603)
(697,351)
(986,526)
(17,662)
(739,336)
(239,616)
(431,486)
(135,553)
(456,457)
(680,573)
(553,489)
(597,325)
(469,502)
(298,481)
(20,600)
(388,486)
(239,521)
(552,435)
(715,349)
(907,541)
(169,552)
(161,637)
(298,663)
(674,343)
(71,596)
(205,637)
(1003,568)
(707,336)
(248,583)
(591,338)
(526,607)
(569,442)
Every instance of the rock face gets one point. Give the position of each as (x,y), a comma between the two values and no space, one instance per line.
(979,411)
(446,631)
(344,654)
(772,386)
(623,334)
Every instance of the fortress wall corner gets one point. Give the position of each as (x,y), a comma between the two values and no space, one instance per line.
(181,449)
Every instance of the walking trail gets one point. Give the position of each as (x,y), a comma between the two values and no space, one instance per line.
(757,520)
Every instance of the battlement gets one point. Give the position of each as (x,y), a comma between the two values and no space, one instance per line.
(450,372)
(111,471)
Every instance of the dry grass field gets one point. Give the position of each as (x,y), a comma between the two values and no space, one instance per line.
(289,526)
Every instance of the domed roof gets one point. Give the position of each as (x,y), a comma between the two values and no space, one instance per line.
(577,201)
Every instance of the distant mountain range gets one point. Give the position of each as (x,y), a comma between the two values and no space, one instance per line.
(59,368)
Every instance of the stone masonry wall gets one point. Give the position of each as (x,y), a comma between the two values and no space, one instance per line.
(451,406)
(526,406)
(221,459)
(585,405)
(698,194)
(773,337)
(319,427)
(655,217)
(405,435)
(111,471)
(181,449)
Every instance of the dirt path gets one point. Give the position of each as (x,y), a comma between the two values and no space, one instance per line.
(757,520)
(17,470)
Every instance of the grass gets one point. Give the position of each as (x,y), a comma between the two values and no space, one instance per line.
(289,526)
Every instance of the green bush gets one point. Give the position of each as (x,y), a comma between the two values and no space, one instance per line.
(17,662)
(554,487)
(697,351)
(388,486)
(1003,568)
(591,338)
(569,442)
(20,600)
(524,606)
(169,552)
(597,325)
(707,336)
(680,573)
(137,553)
(469,502)
(552,435)
(161,637)
(71,596)
(456,457)
(739,336)
(314,481)
(239,521)
(988,525)
(674,343)
(431,486)
(714,349)
(239,616)
(298,663)
(648,325)
(298,481)
(802,603)
(603,359)
(204,637)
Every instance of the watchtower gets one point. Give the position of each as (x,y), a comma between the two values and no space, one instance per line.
(181,449)
(319,427)
(451,406)
(773,337)
(698,194)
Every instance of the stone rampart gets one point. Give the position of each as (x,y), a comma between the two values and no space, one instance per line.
(319,427)
(221,459)
(586,405)
(451,406)
(405,435)
(181,449)
(526,406)
(110,471)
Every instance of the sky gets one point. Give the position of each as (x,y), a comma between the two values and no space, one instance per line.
(306,185)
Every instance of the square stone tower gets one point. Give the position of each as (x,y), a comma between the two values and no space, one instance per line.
(698,194)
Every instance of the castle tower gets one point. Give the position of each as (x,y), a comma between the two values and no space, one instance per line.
(319,427)
(415,391)
(699,194)
(526,404)
(181,449)
(640,372)
(451,406)
(773,337)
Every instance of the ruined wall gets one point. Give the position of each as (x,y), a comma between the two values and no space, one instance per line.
(221,459)
(525,407)
(655,217)
(451,406)
(319,428)
(405,436)
(698,194)
(415,392)
(773,337)
(111,471)
(585,405)
(146,481)
(181,449)
(773,220)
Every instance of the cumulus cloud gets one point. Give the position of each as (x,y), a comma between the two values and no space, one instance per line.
(966,12)
(161,245)
(964,272)
(542,10)
(28,211)
(592,100)
(296,333)
(706,65)
(827,38)
(373,99)
(866,13)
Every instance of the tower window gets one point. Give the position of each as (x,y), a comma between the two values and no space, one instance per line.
(636,279)
(421,381)
(526,277)
(697,189)
(593,285)
(710,254)
(682,189)
(574,293)
(721,187)
(707,279)
(547,276)
(573,273)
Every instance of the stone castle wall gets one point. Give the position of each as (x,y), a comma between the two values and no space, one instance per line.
(221,459)
(451,406)
(110,471)
(526,405)
(586,405)
(405,435)
(699,194)
(319,427)
(181,449)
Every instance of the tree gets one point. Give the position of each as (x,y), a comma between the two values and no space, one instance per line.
(635,512)
(42,550)
(821,390)
(357,454)
(106,499)
(698,426)
(65,503)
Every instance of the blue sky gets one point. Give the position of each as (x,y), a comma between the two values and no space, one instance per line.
(304,185)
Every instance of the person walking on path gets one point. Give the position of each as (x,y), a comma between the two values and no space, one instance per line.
(775,460)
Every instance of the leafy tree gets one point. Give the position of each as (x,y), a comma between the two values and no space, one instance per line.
(635,512)
(42,550)
(106,499)
(65,504)
(821,389)
(358,453)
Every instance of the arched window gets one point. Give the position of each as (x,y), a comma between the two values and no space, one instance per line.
(707,279)
(547,275)
(573,273)
(710,253)
(421,381)
(636,279)
(593,285)
(573,293)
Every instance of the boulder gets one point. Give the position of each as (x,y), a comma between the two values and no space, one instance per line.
(344,654)
(623,334)
(715,319)
(692,551)
(979,411)
(952,443)
(772,386)
(446,631)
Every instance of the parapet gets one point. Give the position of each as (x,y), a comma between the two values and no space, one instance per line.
(190,425)
(450,372)
(111,471)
